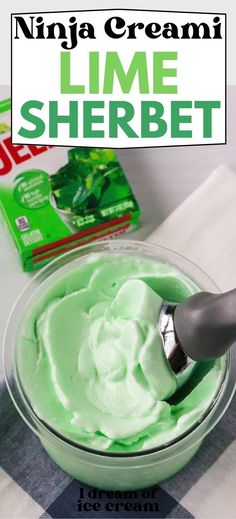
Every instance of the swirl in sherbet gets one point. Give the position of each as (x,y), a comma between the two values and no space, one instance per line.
(93,366)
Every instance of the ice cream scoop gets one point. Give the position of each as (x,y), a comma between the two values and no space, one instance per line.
(201,328)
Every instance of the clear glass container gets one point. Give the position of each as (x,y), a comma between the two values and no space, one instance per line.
(113,471)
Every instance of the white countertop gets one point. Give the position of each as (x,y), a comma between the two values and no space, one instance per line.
(161,179)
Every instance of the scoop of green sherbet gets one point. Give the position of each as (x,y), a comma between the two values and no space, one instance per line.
(136,300)
(109,370)
(91,358)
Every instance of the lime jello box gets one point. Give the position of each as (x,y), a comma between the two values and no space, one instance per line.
(55,199)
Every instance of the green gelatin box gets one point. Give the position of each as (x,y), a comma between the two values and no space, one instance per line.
(56,199)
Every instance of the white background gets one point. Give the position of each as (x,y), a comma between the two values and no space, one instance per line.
(200,67)
(9,6)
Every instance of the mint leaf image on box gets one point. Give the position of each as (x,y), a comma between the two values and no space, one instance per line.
(55,199)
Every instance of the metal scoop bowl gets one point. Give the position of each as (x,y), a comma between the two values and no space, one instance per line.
(201,328)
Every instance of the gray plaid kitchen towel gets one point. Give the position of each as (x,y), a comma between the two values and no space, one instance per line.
(32,486)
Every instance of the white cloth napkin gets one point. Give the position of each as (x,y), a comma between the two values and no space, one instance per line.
(203,228)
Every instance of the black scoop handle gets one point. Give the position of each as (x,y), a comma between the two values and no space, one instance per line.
(205,324)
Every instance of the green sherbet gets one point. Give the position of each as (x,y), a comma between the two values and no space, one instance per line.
(91,359)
